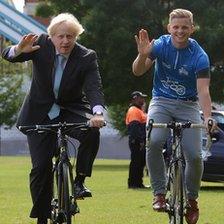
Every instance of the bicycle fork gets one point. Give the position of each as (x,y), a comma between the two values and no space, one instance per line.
(63,203)
(175,184)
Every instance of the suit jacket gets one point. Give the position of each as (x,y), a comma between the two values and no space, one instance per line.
(80,88)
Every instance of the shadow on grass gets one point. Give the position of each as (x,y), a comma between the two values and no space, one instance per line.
(110,167)
(213,188)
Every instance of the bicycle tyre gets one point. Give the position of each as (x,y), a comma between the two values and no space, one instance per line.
(180,197)
(171,193)
(175,200)
(54,201)
(66,205)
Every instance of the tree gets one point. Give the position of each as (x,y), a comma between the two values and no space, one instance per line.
(11,94)
(210,34)
(110,28)
(50,8)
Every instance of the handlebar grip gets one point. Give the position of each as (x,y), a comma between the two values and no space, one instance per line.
(210,125)
(25,128)
(210,122)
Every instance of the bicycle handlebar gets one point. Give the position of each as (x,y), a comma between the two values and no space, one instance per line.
(51,127)
(174,125)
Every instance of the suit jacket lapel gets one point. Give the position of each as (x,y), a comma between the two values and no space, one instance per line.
(50,57)
(72,62)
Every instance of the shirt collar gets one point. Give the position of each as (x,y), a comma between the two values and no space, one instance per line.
(64,55)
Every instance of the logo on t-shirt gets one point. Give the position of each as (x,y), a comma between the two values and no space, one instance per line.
(183,71)
(174,86)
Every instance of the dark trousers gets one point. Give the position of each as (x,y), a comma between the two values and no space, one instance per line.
(42,148)
(137,163)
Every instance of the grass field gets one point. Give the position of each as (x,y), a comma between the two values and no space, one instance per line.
(112,202)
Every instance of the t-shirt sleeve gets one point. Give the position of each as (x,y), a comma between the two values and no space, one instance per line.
(203,63)
(205,73)
(156,48)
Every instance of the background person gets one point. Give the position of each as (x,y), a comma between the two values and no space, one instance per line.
(180,85)
(66,87)
(135,121)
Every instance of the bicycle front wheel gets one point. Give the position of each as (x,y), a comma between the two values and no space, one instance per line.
(54,201)
(66,200)
(176,200)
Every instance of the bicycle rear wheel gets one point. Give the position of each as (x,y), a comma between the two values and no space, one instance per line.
(176,200)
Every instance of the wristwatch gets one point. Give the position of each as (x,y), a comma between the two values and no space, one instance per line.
(98,113)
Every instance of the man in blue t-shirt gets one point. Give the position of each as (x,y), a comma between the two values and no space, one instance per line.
(180,90)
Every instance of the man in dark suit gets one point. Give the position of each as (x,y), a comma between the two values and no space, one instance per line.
(66,86)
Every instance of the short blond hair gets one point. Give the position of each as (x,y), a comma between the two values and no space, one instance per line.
(65,17)
(181,13)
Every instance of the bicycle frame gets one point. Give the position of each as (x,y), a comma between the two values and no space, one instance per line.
(63,204)
(176,195)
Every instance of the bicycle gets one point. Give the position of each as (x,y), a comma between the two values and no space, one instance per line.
(176,192)
(63,204)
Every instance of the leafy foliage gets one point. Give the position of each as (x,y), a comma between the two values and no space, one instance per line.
(117,113)
(217,94)
(11,95)
(44,10)
(110,28)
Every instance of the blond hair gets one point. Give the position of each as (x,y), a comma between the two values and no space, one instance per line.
(62,18)
(181,13)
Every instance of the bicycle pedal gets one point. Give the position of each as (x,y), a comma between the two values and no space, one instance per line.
(74,209)
(54,203)
(80,198)
(53,217)
(169,209)
(61,217)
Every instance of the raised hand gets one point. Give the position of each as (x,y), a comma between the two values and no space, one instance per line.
(26,45)
(144,45)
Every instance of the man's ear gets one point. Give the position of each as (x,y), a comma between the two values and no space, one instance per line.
(193,29)
(168,28)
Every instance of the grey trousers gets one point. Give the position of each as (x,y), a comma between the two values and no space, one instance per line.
(163,110)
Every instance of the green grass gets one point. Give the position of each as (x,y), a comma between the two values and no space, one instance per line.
(112,202)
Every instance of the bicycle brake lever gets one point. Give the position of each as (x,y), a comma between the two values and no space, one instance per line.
(148,131)
(210,124)
(150,125)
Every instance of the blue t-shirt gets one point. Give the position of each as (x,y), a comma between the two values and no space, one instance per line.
(176,69)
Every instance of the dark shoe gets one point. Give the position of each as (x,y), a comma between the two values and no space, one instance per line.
(81,191)
(192,212)
(41,221)
(159,203)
